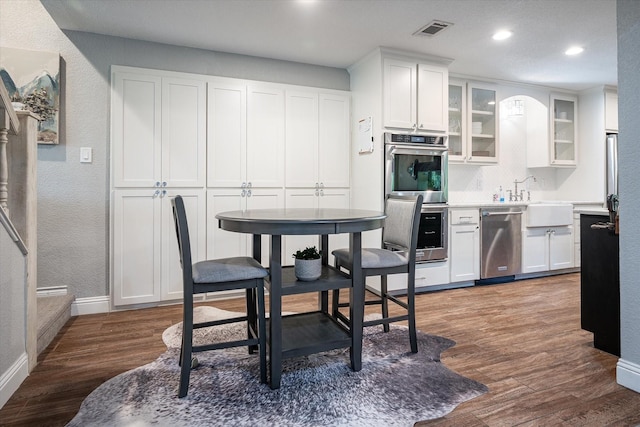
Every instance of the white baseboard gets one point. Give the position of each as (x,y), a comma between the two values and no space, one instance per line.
(51,291)
(13,377)
(90,305)
(628,375)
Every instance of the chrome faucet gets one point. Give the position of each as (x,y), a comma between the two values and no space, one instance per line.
(516,182)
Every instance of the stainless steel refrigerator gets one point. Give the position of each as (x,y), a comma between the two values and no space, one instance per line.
(611,189)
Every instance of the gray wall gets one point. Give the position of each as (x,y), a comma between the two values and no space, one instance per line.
(73,198)
(629,155)
(12,302)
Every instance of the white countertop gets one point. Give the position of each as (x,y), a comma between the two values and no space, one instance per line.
(592,211)
(580,207)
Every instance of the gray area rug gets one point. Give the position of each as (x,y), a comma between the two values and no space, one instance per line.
(394,388)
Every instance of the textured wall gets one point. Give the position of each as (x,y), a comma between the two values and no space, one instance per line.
(12,302)
(629,156)
(73,198)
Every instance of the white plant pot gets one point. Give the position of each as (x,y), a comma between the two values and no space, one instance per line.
(308,270)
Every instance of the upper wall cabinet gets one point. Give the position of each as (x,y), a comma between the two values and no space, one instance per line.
(563,130)
(158,131)
(317,140)
(246,135)
(473,123)
(415,96)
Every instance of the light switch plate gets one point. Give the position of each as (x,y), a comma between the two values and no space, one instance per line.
(86,155)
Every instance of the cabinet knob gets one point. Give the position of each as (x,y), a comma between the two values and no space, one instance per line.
(243,193)
(164,183)
(157,183)
(157,193)
(244,185)
(248,193)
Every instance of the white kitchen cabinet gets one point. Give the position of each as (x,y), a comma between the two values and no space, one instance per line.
(158,130)
(317,140)
(415,95)
(482,123)
(473,123)
(225,244)
(547,248)
(427,274)
(457,120)
(245,136)
(335,198)
(563,118)
(464,245)
(146,263)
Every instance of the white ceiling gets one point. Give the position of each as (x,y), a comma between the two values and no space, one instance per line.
(337,33)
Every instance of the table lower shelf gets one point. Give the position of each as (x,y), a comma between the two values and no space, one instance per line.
(310,333)
(330,279)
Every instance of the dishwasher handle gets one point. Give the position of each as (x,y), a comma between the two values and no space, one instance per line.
(501,213)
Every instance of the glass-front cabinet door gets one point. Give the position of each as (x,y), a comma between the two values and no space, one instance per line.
(563,130)
(457,120)
(482,123)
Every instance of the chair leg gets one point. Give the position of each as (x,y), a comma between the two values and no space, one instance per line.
(335,302)
(186,347)
(251,316)
(384,301)
(411,308)
(335,295)
(262,324)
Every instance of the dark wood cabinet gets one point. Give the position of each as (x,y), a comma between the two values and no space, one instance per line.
(600,283)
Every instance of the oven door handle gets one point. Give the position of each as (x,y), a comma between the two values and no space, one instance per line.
(417,150)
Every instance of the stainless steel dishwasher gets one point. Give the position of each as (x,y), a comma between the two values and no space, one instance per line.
(500,242)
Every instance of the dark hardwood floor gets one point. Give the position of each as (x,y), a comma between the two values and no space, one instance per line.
(522,339)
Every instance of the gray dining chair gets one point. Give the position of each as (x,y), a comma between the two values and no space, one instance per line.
(213,276)
(399,237)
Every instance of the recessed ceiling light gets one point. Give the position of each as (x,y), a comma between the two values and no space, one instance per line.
(502,35)
(574,50)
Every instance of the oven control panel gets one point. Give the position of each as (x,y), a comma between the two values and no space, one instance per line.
(414,139)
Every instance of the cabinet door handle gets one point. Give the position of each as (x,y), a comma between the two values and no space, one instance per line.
(157,183)
(164,183)
(157,193)
(249,193)
(243,193)
(244,185)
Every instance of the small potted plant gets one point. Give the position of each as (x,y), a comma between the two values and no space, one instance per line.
(308,264)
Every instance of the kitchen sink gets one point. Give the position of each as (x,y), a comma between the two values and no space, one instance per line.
(549,214)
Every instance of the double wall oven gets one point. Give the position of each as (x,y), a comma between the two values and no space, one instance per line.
(417,164)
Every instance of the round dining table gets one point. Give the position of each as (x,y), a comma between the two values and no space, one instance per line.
(302,334)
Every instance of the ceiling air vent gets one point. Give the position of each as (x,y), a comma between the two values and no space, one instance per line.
(432,28)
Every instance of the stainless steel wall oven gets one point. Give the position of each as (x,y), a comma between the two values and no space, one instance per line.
(416,164)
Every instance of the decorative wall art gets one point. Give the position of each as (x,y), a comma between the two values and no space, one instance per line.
(33,82)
